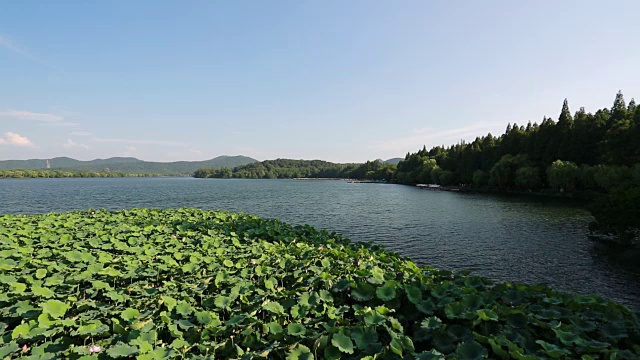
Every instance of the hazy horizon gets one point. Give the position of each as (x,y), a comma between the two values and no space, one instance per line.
(337,81)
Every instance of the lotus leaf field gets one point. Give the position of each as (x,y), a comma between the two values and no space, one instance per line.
(189,283)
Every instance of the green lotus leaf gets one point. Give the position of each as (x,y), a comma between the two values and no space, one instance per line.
(386,293)
(41,273)
(189,267)
(554,351)
(8,349)
(18,288)
(122,350)
(565,337)
(342,342)
(55,308)
(169,302)
(228,263)
(275,328)
(8,279)
(426,306)
(414,294)
(300,352)
(93,327)
(42,291)
(396,346)
(185,324)
(74,256)
(362,292)
(274,307)
(204,317)
(498,350)
(296,329)
(129,314)
(374,318)
(269,284)
(471,351)
(325,296)
(431,323)
(377,276)
(456,310)
(183,308)
(487,315)
(332,353)
(21,330)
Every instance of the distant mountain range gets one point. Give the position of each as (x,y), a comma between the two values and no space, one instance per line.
(127,164)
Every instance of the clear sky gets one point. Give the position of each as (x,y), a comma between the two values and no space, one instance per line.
(343,81)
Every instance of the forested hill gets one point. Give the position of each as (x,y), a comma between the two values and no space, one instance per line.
(287,169)
(126,165)
(595,152)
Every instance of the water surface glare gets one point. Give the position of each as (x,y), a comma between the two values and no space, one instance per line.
(503,238)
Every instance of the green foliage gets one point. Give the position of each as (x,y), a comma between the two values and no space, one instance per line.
(585,153)
(289,169)
(562,175)
(155,284)
(19,174)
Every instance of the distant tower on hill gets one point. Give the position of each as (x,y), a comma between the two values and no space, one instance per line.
(48,165)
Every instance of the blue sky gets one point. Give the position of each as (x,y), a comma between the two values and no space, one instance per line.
(343,81)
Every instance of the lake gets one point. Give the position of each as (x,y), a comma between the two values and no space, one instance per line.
(503,238)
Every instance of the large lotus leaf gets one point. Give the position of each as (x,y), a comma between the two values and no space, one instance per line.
(55,308)
(41,273)
(553,351)
(169,302)
(414,293)
(93,327)
(487,315)
(387,292)
(8,349)
(21,330)
(275,328)
(377,276)
(274,307)
(362,292)
(129,314)
(456,310)
(183,308)
(122,350)
(332,353)
(342,342)
(300,352)
(471,351)
(296,329)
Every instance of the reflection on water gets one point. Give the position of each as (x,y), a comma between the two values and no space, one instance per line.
(503,238)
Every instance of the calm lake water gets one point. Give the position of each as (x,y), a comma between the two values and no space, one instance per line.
(503,238)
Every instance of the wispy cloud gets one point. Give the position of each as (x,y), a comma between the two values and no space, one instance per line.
(14,47)
(80,133)
(138,142)
(11,138)
(72,144)
(45,118)
(29,115)
(431,137)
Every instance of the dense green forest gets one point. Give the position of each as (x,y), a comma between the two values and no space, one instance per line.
(289,169)
(126,165)
(590,153)
(20,174)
